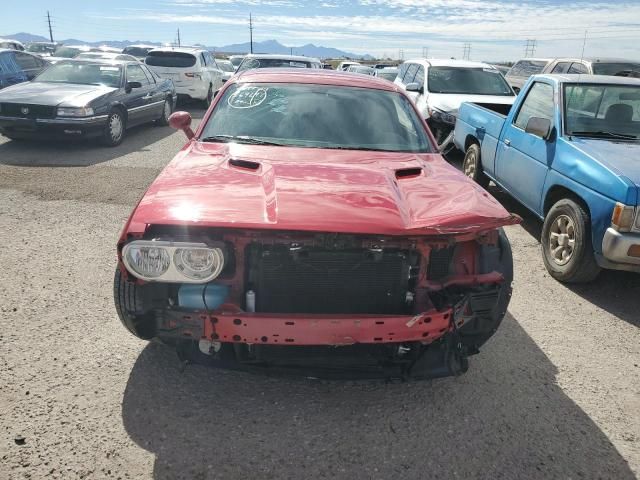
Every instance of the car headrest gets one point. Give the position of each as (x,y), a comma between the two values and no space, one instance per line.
(619,112)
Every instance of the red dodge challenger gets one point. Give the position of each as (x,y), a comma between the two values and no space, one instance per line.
(310,225)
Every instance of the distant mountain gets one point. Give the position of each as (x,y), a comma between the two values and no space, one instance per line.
(267,46)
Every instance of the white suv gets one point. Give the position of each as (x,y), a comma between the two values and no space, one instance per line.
(193,71)
(438,87)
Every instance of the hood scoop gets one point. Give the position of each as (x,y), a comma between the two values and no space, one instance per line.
(405,173)
(244,164)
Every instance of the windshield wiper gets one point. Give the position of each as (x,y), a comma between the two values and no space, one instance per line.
(239,139)
(603,134)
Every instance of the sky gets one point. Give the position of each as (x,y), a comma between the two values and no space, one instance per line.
(495,29)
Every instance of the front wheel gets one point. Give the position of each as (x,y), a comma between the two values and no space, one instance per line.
(114,129)
(471,166)
(567,250)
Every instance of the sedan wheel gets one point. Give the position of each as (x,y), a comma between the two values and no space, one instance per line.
(114,130)
(209,98)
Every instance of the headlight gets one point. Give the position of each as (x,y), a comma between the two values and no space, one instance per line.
(75,112)
(441,116)
(156,261)
(623,217)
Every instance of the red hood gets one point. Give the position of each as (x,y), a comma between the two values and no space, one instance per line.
(316,190)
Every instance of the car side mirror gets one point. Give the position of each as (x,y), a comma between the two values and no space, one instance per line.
(414,87)
(540,127)
(182,121)
(131,85)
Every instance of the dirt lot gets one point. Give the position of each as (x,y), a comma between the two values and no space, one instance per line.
(555,394)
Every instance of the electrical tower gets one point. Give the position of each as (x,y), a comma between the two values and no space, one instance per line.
(530,48)
(250,32)
(466,52)
(49,22)
(425,52)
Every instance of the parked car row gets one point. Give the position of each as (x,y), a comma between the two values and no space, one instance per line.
(523,69)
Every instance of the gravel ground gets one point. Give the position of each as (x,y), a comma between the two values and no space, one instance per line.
(555,394)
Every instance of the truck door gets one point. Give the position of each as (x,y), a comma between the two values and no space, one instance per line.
(523,159)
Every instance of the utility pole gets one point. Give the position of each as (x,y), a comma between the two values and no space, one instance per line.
(425,52)
(466,52)
(530,48)
(178,37)
(401,54)
(49,22)
(291,49)
(251,32)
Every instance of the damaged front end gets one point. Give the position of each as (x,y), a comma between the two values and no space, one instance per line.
(326,305)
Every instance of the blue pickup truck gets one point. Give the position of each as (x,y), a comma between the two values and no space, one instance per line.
(568,150)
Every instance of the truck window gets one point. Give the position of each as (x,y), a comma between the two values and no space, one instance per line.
(578,68)
(419,78)
(411,72)
(539,103)
(561,67)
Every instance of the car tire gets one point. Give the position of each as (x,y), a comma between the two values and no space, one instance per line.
(472,167)
(130,307)
(207,101)
(114,129)
(567,249)
(167,110)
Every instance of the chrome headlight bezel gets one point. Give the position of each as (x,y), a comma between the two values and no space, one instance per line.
(174,273)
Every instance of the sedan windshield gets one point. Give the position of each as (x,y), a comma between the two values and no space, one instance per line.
(320,116)
(250,63)
(226,66)
(467,81)
(387,75)
(602,111)
(82,73)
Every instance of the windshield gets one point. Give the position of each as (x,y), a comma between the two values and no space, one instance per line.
(615,68)
(67,52)
(137,51)
(235,61)
(82,73)
(320,116)
(170,59)
(526,68)
(468,81)
(609,111)
(391,76)
(40,48)
(250,63)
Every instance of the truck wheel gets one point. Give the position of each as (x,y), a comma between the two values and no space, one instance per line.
(130,307)
(567,250)
(471,166)
(114,129)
